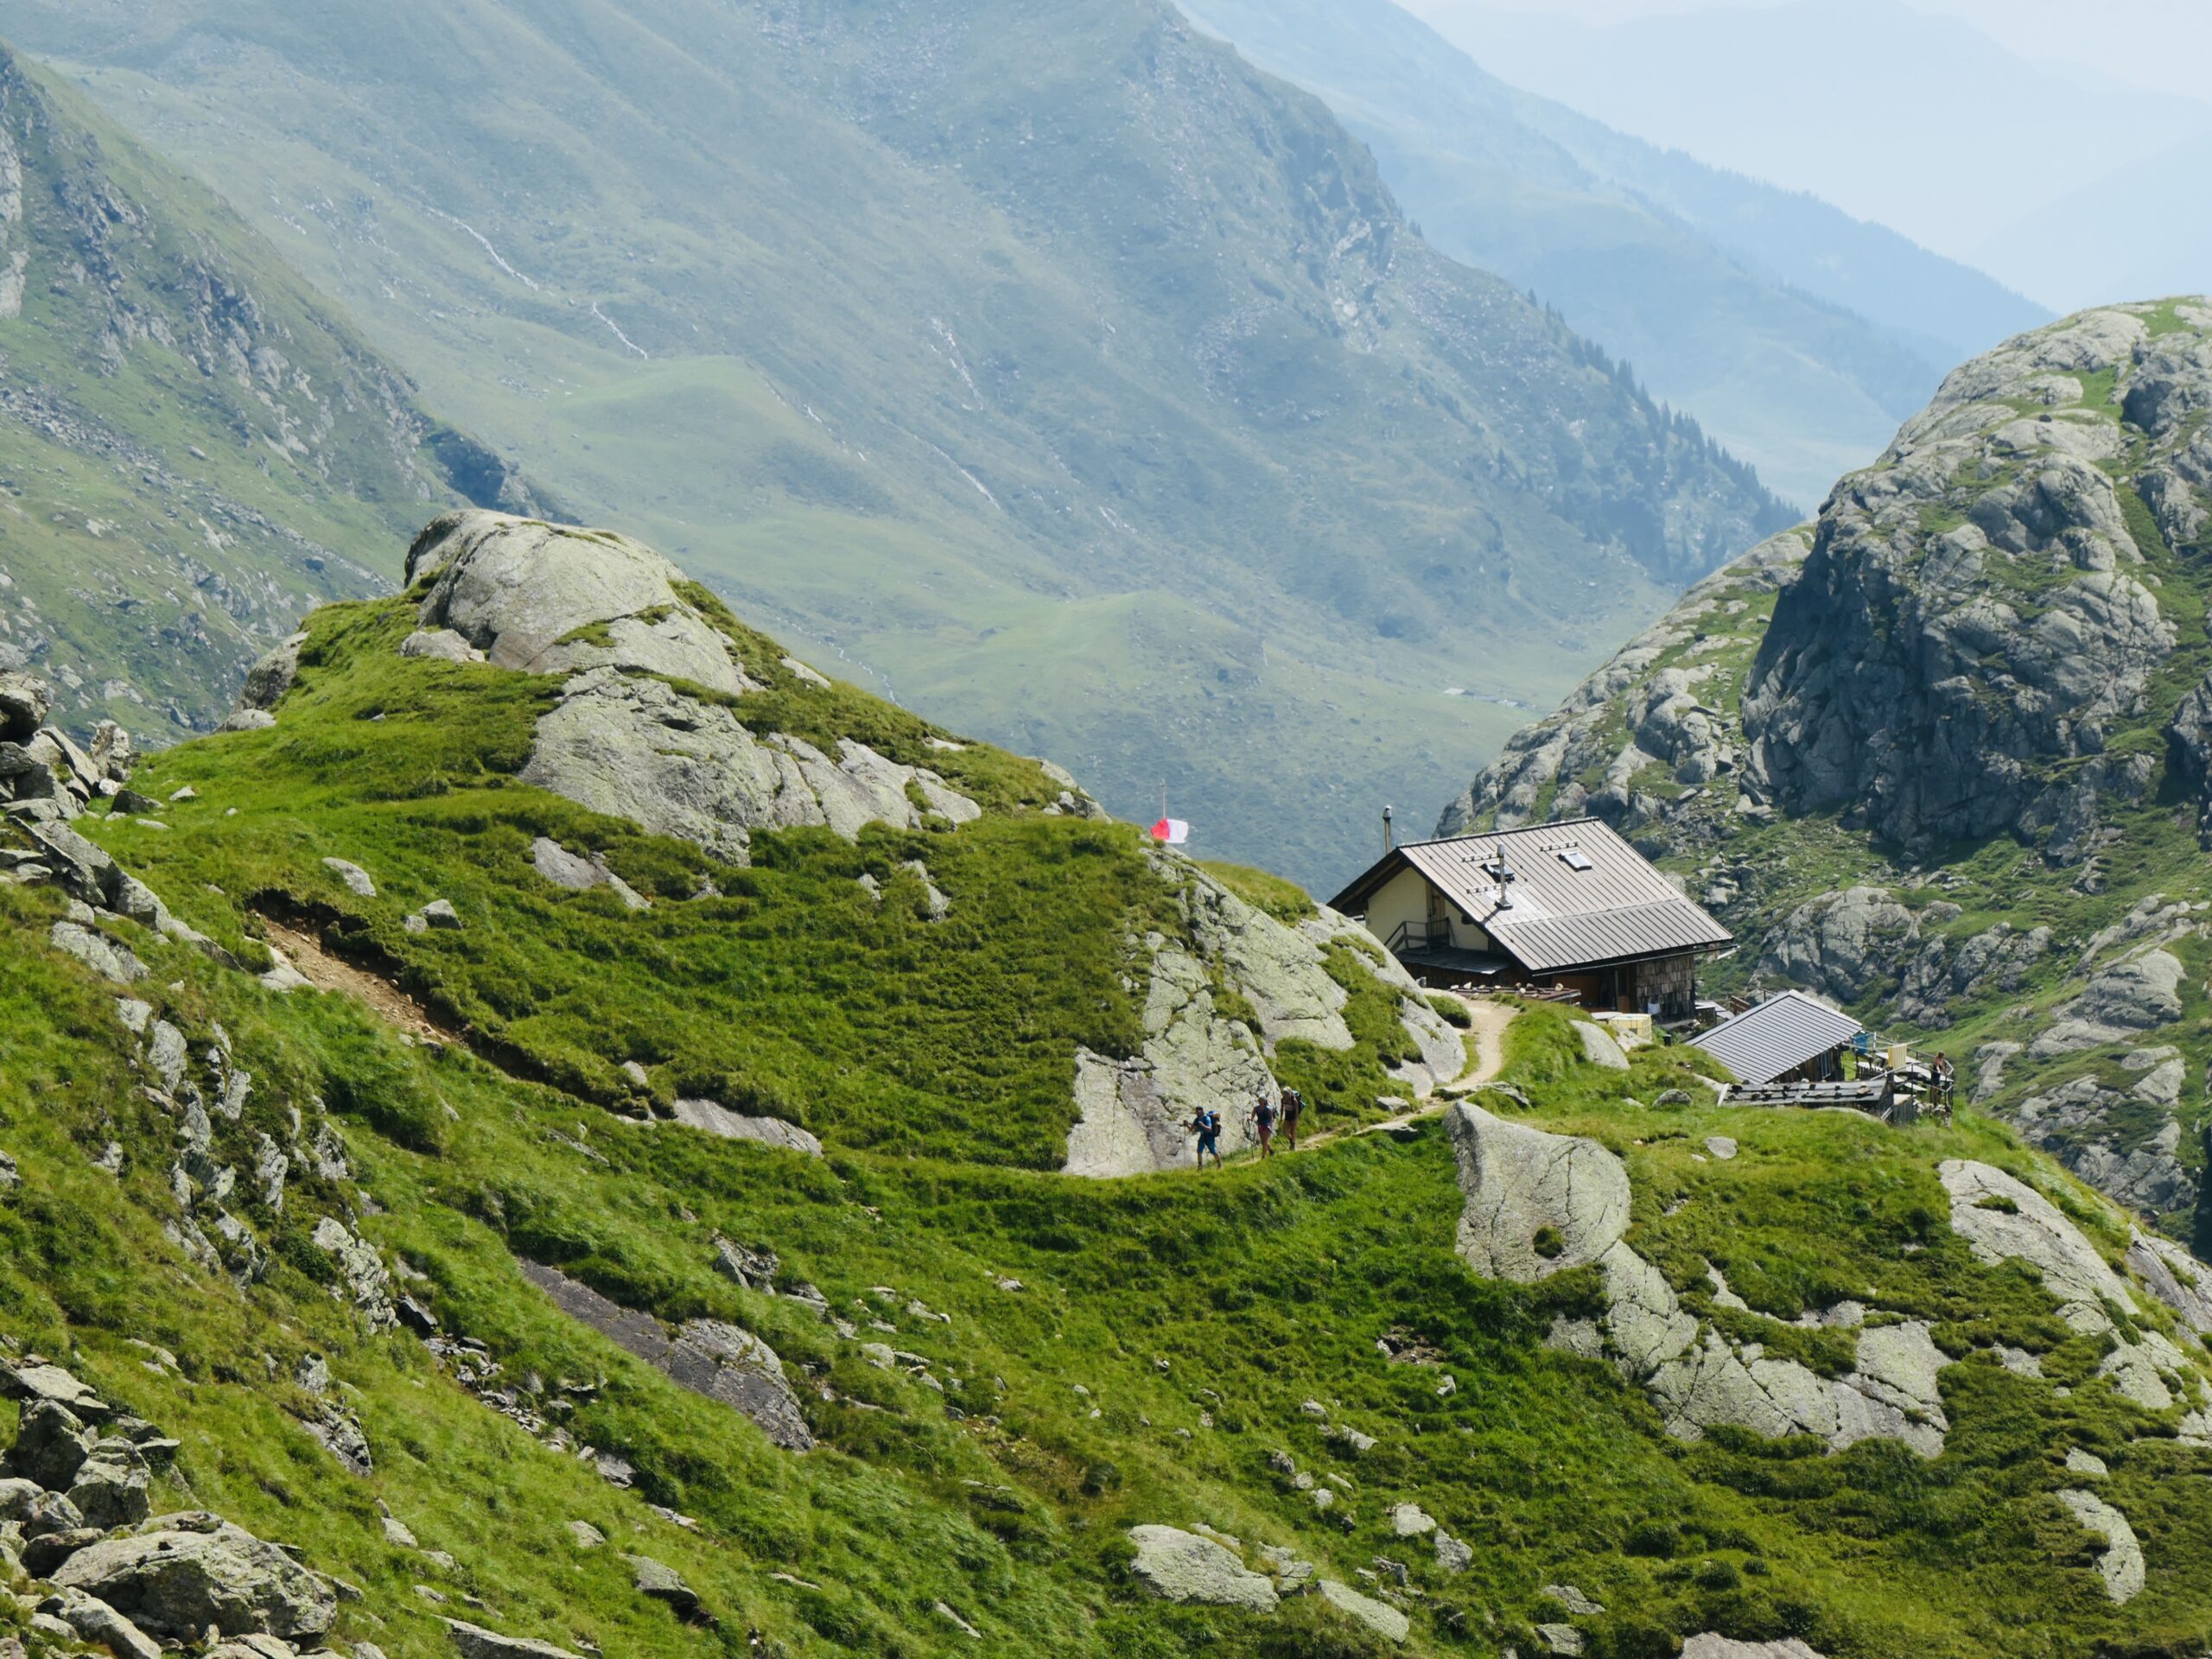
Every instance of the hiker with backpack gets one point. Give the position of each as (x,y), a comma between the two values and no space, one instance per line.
(1207,1126)
(1294,1108)
(1263,1122)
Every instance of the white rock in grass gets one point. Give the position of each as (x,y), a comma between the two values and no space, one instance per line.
(1380,1616)
(2121,1563)
(1598,1047)
(1180,1566)
(355,878)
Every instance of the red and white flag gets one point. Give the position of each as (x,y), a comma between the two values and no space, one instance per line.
(1173,831)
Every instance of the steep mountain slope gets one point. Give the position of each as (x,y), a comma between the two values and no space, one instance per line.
(1945,750)
(1042,362)
(193,448)
(1797,335)
(420,1277)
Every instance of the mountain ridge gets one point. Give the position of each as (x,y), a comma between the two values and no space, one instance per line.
(1002,396)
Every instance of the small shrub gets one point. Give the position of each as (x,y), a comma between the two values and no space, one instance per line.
(1101,1478)
(1717,1575)
(1657,1539)
(1550,1243)
(1453,1011)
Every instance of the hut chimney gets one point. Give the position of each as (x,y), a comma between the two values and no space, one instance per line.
(1389,837)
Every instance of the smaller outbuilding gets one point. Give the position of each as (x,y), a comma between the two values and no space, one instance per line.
(1792,1037)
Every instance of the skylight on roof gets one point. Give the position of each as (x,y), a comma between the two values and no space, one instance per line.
(1575,859)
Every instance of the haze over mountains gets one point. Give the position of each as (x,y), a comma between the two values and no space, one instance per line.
(1978,129)
(1798,335)
(1106,408)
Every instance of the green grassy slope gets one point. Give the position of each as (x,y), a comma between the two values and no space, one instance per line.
(1111,1353)
(953,329)
(193,448)
(1197,1316)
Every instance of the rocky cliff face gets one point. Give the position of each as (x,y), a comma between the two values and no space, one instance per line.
(193,450)
(1942,750)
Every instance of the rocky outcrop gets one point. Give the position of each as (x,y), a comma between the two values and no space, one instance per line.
(2119,1005)
(1655,710)
(639,749)
(1972,615)
(475,1642)
(708,1356)
(1133,1112)
(1843,945)
(549,600)
(179,1574)
(2002,1218)
(1379,1617)
(1536,1203)
(2120,1564)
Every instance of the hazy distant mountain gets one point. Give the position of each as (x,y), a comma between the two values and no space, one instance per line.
(1946,134)
(1796,335)
(2158,201)
(1038,362)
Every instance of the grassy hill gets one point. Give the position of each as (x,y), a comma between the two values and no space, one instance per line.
(1040,364)
(1001,1371)
(194,449)
(1934,756)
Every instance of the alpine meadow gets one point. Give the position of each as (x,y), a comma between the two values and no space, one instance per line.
(679,687)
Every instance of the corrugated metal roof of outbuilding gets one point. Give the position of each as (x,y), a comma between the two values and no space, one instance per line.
(1781,1035)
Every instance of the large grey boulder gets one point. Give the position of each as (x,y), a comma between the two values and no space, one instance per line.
(271,675)
(577,873)
(1279,971)
(709,1356)
(1536,1202)
(32,1378)
(1710,1646)
(660,1582)
(475,1642)
(2119,1005)
(1133,1112)
(111,1487)
(640,749)
(51,1445)
(1843,945)
(24,704)
(1599,1048)
(1181,1566)
(440,644)
(105,957)
(717,1119)
(2003,1219)
(181,1573)
(97,1622)
(1379,1617)
(549,600)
